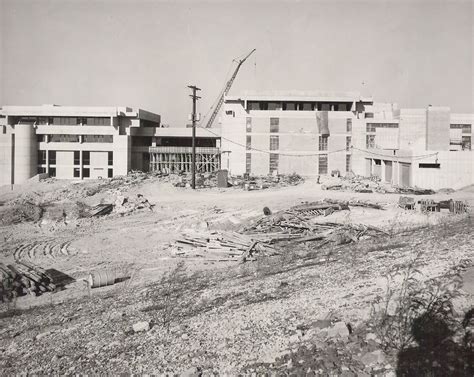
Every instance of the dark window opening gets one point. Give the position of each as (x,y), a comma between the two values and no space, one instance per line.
(41,157)
(323,164)
(40,138)
(110,173)
(97,121)
(100,139)
(466,143)
(323,143)
(248,163)
(184,142)
(263,105)
(110,157)
(41,170)
(77,157)
(429,166)
(77,172)
(86,173)
(86,158)
(64,138)
(249,142)
(349,125)
(274,142)
(273,162)
(348,163)
(64,121)
(370,141)
(52,157)
(348,143)
(52,172)
(274,124)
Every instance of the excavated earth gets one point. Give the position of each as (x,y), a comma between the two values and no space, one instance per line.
(305,311)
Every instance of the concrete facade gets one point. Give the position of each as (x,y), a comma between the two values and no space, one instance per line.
(285,133)
(83,142)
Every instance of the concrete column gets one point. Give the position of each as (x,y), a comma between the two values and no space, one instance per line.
(26,152)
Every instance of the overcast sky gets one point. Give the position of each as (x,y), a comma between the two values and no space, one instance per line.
(145,53)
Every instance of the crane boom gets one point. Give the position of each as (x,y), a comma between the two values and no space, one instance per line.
(226,90)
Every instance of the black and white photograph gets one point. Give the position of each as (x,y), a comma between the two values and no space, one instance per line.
(237,188)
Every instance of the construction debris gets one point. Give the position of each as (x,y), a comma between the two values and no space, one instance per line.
(221,246)
(98,210)
(124,204)
(23,278)
(413,191)
(283,228)
(20,211)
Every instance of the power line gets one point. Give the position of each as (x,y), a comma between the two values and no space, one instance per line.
(269,152)
(315,154)
(384,155)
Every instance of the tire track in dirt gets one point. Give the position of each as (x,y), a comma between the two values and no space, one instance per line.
(51,249)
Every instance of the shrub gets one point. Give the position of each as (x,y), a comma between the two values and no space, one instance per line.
(400,312)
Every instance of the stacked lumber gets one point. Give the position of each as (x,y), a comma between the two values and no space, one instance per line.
(220,246)
(23,278)
(98,210)
(413,190)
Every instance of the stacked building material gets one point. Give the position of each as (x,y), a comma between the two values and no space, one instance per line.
(23,278)
(220,246)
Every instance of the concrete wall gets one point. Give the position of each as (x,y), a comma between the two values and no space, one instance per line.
(437,128)
(298,136)
(456,171)
(413,129)
(65,164)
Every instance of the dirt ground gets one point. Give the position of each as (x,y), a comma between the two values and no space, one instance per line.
(140,244)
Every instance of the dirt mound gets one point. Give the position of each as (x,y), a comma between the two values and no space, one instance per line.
(20,212)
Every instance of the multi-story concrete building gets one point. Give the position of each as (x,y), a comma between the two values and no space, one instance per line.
(316,133)
(278,133)
(86,142)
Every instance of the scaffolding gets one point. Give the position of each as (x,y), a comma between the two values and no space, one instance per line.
(179,159)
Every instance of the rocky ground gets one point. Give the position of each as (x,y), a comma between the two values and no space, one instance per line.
(305,311)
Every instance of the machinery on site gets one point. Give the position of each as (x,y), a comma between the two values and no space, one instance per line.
(226,89)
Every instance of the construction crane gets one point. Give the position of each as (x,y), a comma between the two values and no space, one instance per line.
(227,87)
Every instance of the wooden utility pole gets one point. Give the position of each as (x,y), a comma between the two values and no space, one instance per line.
(194,88)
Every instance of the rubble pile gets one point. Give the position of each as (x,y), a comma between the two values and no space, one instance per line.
(128,204)
(204,180)
(21,279)
(246,182)
(258,183)
(20,211)
(413,191)
(359,184)
(288,227)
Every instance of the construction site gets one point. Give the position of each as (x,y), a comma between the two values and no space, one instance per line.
(292,232)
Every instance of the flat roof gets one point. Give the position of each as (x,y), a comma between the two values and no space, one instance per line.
(92,111)
(299,96)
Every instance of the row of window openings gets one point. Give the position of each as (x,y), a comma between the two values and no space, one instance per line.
(86,158)
(274,159)
(75,138)
(298,106)
(86,172)
(465,142)
(466,128)
(372,126)
(66,121)
(275,143)
(275,125)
